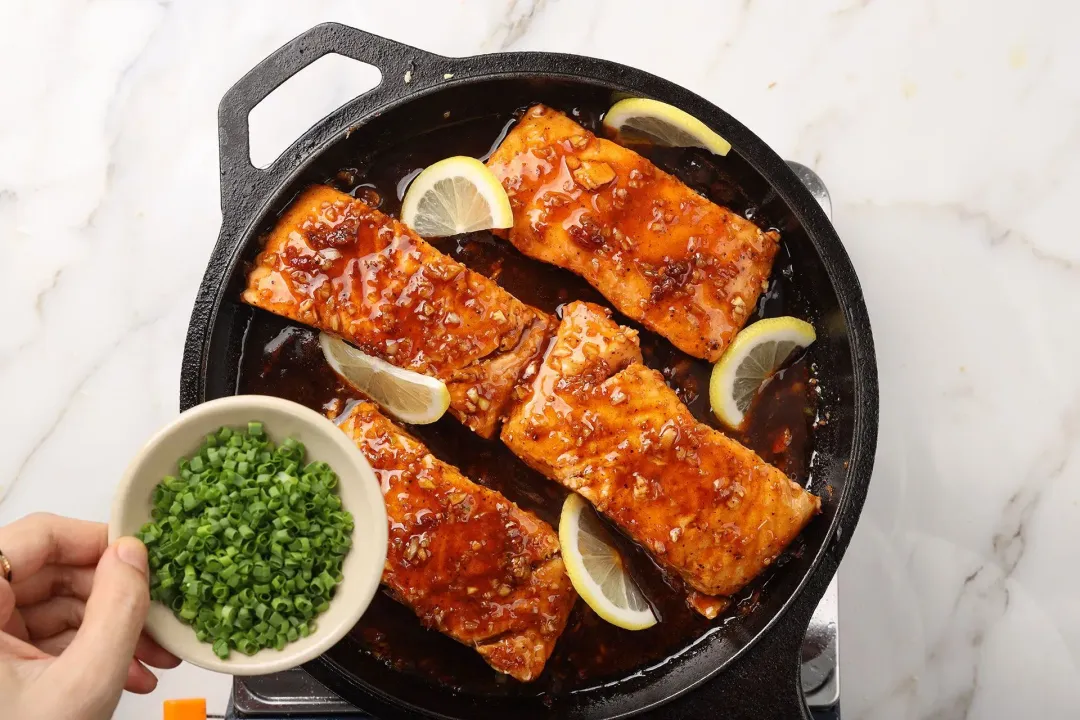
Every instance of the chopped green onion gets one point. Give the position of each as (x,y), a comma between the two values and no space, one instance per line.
(246,542)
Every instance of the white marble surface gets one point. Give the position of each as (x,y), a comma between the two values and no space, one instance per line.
(947,130)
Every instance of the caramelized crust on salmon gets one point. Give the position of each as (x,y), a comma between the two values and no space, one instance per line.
(469,562)
(661,253)
(604,425)
(334,263)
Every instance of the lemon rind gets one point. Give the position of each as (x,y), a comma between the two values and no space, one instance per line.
(478,174)
(439,393)
(786,328)
(618,113)
(589,590)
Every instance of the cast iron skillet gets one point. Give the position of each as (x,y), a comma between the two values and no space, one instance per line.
(752,663)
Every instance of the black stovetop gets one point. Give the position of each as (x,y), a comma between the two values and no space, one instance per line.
(295,694)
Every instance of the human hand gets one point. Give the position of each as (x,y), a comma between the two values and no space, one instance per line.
(71,633)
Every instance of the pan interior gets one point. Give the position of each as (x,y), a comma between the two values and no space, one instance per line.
(438,675)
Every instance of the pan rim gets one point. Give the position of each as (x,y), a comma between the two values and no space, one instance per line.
(827,246)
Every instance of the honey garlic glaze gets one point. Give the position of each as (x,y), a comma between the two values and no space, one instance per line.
(282,358)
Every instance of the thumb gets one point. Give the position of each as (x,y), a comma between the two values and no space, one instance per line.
(99,656)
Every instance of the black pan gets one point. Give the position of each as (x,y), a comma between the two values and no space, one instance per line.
(750,661)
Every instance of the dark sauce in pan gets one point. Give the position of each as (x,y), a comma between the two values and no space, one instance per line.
(283,359)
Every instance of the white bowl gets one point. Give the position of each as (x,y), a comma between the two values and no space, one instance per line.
(360,495)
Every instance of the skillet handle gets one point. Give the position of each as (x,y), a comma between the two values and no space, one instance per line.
(765,683)
(244,188)
(240,180)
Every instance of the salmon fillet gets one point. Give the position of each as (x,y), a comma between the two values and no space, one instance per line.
(466,560)
(662,254)
(336,264)
(601,423)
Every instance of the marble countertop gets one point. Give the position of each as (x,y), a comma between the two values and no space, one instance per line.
(947,130)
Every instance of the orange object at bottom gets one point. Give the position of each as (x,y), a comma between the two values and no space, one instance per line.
(186,709)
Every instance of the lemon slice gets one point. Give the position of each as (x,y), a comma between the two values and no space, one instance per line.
(453,196)
(662,124)
(407,395)
(596,569)
(756,353)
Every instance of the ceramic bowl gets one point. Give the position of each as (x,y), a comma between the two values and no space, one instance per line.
(360,495)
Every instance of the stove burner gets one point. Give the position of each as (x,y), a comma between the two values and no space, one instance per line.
(820,670)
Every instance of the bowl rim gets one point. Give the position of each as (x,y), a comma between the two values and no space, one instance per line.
(375,537)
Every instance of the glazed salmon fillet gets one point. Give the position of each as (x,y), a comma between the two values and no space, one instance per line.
(466,560)
(661,253)
(336,264)
(601,423)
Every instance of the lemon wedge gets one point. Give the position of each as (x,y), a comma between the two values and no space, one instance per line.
(409,396)
(756,353)
(662,124)
(596,569)
(453,196)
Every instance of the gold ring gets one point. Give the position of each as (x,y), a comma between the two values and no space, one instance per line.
(5,567)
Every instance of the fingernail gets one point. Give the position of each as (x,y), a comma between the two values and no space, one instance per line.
(132,552)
